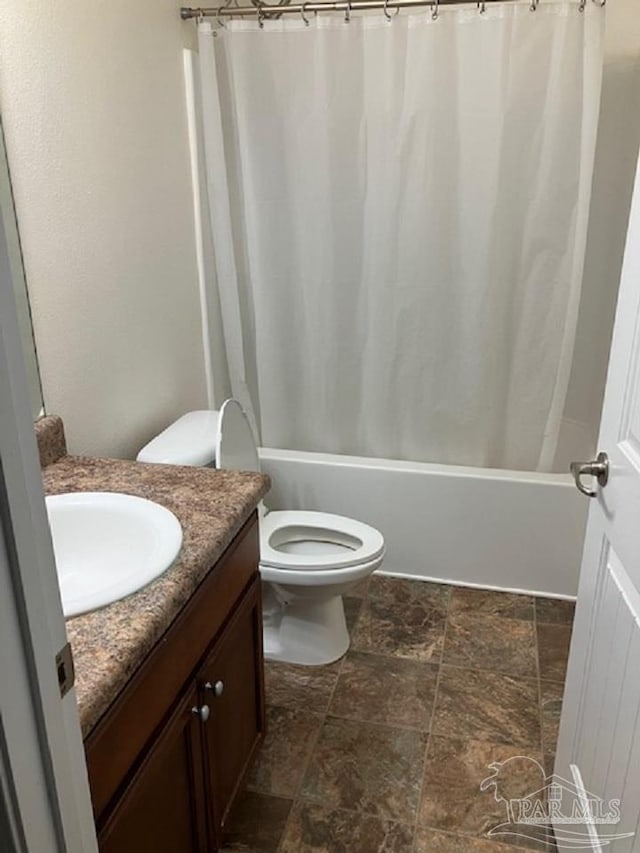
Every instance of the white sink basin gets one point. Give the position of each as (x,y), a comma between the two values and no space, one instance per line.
(108,545)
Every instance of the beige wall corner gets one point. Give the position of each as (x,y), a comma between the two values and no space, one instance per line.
(93,108)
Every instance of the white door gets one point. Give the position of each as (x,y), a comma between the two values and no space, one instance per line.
(599,742)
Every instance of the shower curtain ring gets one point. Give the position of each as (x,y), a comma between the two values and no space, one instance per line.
(583,3)
(219,20)
(434,9)
(347,14)
(534,5)
(482,6)
(260,17)
(303,16)
(386,13)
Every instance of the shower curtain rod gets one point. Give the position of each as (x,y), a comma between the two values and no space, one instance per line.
(265,11)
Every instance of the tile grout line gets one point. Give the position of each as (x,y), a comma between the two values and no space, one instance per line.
(430,731)
(503,845)
(540,713)
(536,678)
(470,836)
(380,724)
(469,667)
(537,644)
(296,798)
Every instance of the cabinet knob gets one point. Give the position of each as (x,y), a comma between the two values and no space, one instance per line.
(203,712)
(217,689)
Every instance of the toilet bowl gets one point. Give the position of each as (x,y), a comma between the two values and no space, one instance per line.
(308,560)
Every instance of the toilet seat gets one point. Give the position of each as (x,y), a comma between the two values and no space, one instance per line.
(314,551)
(308,560)
(349,542)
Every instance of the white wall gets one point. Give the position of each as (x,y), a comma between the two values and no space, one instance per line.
(93,107)
(615,164)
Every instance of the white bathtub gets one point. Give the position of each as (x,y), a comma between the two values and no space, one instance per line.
(507,530)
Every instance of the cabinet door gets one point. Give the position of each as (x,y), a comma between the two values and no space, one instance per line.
(162,808)
(232,685)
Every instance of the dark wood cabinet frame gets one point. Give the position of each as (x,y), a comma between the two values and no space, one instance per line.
(161,777)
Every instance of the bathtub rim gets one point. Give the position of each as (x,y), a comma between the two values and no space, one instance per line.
(434,468)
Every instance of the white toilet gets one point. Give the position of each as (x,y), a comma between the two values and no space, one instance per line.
(308,560)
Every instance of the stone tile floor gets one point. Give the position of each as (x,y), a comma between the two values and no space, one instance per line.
(384,751)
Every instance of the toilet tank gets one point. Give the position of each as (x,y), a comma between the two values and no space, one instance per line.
(191,440)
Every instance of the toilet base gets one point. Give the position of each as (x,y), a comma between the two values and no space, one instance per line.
(306,631)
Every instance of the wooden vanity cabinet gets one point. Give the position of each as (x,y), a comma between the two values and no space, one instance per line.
(230,683)
(164,775)
(163,807)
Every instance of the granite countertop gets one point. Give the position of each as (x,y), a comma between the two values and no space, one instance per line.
(109,644)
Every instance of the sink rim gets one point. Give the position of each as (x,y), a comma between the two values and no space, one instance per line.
(161,532)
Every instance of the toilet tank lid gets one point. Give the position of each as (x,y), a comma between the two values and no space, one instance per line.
(191,440)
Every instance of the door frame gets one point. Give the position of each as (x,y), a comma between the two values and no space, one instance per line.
(47,797)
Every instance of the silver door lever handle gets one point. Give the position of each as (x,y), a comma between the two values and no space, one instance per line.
(598,468)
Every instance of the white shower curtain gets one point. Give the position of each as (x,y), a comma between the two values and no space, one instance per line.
(399,215)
